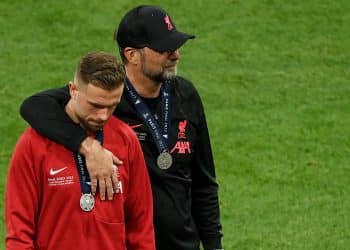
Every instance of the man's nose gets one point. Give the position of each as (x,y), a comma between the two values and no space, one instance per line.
(174,55)
(103,114)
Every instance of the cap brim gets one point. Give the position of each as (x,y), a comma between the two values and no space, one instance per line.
(172,42)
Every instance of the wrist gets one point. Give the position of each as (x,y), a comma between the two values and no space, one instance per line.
(88,145)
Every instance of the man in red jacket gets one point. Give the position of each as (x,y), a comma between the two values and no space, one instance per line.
(49,204)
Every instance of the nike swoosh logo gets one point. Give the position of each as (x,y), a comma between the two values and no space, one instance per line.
(135,126)
(54,172)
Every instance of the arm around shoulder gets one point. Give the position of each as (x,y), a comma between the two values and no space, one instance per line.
(44,111)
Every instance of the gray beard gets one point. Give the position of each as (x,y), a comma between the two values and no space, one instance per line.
(161,77)
(157,77)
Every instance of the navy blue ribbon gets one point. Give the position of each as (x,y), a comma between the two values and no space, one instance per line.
(159,135)
(81,165)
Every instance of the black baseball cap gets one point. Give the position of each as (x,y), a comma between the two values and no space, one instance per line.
(149,26)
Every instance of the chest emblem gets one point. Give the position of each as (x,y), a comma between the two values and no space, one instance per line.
(182,129)
(181,146)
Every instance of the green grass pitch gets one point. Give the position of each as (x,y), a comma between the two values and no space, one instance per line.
(274,79)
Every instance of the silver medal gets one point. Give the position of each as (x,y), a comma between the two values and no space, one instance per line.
(164,160)
(87,202)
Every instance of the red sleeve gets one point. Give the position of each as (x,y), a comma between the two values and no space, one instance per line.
(139,203)
(21,196)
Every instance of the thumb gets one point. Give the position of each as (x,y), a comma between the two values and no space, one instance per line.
(116,160)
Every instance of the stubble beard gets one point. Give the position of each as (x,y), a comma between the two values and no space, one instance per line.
(87,126)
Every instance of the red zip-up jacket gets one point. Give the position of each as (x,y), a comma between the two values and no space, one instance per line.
(43,193)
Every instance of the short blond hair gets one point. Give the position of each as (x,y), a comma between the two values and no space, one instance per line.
(101,69)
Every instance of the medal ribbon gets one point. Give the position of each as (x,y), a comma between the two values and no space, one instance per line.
(81,165)
(160,136)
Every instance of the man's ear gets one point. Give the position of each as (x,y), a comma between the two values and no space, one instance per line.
(73,89)
(132,55)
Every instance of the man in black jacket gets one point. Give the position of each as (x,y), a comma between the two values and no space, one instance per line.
(167,115)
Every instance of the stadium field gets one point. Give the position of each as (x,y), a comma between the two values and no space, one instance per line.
(274,79)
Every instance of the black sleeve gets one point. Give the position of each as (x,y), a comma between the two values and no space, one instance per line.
(205,206)
(44,111)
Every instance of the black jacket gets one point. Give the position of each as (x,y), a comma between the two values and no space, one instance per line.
(186,207)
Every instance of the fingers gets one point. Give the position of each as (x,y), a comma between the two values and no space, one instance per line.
(93,185)
(102,188)
(103,175)
(107,185)
(115,182)
(109,188)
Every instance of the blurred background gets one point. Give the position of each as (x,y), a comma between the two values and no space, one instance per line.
(274,79)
